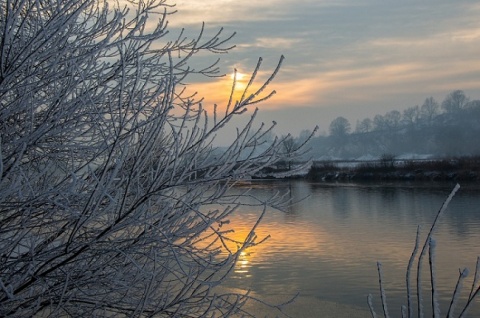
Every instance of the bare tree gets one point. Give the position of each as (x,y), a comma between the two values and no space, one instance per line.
(289,146)
(392,119)
(455,101)
(339,127)
(110,202)
(379,123)
(430,109)
(473,104)
(411,115)
(364,126)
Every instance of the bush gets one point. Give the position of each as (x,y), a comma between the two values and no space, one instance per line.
(112,196)
(387,161)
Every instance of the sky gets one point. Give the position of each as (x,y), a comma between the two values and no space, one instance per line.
(350,58)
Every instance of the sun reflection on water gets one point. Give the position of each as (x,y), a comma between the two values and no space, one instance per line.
(243,265)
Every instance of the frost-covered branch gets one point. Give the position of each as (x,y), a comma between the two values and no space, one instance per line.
(407,311)
(112,195)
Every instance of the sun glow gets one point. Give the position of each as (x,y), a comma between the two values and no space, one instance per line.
(240,80)
(239,76)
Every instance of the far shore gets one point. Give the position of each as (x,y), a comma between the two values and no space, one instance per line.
(463,169)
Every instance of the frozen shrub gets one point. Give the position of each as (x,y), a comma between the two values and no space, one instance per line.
(112,197)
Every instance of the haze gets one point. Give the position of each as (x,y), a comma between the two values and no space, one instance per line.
(343,58)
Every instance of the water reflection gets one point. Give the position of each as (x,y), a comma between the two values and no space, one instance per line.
(243,265)
(326,246)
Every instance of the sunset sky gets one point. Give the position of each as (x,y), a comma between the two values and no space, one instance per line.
(343,57)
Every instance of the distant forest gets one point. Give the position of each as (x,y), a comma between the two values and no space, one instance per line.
(446,129)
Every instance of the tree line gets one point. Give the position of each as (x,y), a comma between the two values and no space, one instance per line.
(441,129)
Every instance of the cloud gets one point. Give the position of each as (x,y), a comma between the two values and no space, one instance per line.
(343,56)
(467,35)
(215,12)
(355,84)
(221,12)
(272,42)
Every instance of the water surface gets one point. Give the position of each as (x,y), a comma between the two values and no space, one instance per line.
(326,246)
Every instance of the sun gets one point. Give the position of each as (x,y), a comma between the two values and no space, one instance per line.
(241,80)
(240,76)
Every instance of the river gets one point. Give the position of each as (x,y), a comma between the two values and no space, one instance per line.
(325,247)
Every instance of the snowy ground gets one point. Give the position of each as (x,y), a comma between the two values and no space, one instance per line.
(353,162)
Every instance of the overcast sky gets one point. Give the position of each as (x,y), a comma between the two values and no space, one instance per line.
(351,58)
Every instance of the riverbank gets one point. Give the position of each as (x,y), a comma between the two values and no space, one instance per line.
(465,169)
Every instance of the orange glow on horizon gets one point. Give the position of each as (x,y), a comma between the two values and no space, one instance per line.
(288,93)
(219,91)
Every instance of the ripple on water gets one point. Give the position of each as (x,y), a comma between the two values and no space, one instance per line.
(327,245)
